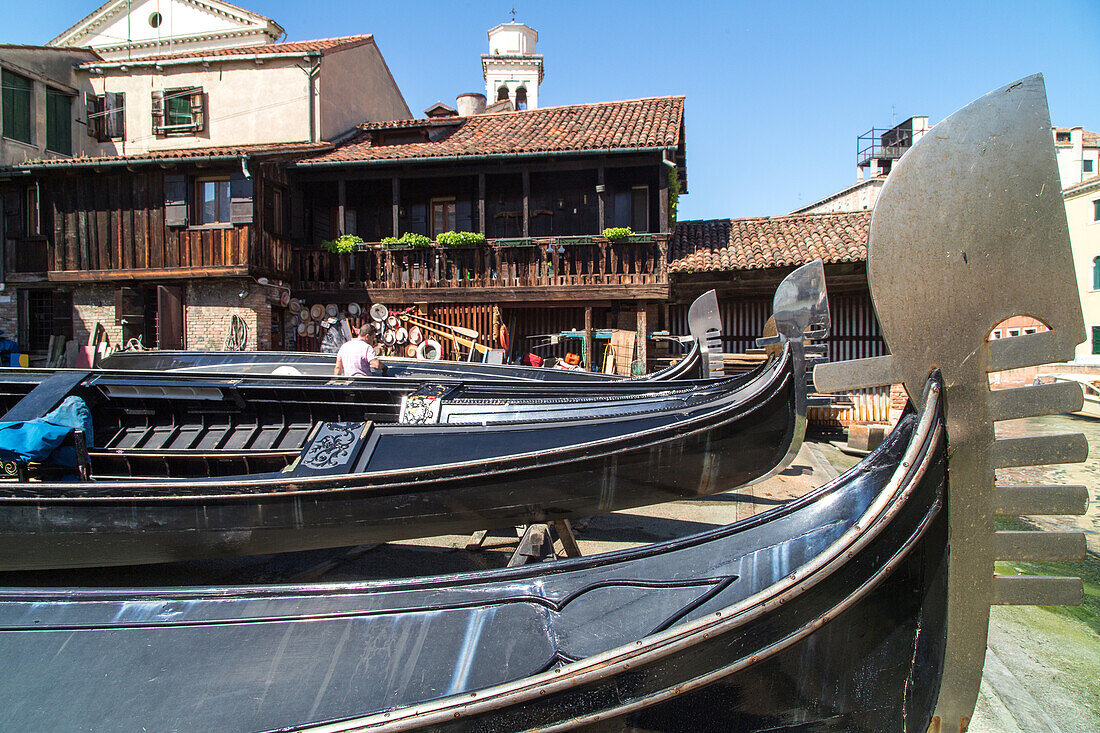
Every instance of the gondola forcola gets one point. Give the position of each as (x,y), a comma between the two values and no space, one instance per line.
(828,611)
(199,466)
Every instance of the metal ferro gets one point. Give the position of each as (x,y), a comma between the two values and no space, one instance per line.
(970,229)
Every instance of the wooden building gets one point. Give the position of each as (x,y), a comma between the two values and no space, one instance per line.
(745,259)
(169,245)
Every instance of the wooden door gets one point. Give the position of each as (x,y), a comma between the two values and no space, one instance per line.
(169,317)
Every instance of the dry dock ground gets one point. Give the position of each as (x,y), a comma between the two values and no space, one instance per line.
(1042,672)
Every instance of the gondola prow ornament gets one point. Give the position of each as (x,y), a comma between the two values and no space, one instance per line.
(969,230)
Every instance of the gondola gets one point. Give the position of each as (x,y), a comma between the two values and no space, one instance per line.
(189,466)
(703,320)
(823,614)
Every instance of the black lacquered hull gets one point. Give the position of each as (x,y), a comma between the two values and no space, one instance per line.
(418,481)
(822,615)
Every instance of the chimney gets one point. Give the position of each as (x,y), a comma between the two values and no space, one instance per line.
(470,103)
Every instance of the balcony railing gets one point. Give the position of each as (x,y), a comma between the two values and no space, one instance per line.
(508,263)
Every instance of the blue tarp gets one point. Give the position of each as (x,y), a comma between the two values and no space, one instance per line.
(40,440)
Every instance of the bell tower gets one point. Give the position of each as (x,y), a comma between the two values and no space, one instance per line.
(512,68)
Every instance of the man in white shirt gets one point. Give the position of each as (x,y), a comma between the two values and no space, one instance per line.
(358,357)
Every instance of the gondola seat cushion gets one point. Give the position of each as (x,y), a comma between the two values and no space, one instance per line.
(47,439)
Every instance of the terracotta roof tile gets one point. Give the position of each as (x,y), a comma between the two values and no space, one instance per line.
(720,245)
(184,154)
(641,123)
(317,45)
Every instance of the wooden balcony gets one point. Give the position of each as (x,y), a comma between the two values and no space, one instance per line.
(542,269)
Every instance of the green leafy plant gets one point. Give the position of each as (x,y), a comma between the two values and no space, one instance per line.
(673,194)
(460,239)
(410,239)
(618,234)
(343,244)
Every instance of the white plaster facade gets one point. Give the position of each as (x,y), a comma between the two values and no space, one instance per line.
(47,68)
(1083,215)
(127,29)
(859,197)
(1078,152)
(511,65)
(274,97)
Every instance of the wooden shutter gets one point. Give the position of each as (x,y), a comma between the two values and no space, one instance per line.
(297,216)
(240,194)
(175,201)
(63,313)
(268,198)
(158,111)
(198,110)
(463,219)
(169,317)
(115,120)
(97,122)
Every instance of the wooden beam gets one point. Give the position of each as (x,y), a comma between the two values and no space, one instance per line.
(596,295)
(341,203)
(77,276)
(396,190)
(526,202)
(423,170)
(588,339)
(601,196)
(481,202)
(642,332)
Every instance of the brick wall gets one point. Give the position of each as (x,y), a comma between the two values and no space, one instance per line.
(95,304)
(9,314)
(211,304)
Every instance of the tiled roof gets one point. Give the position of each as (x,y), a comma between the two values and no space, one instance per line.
(1088,138)
(641,123)
(319,45)
(230,151)
(1084,185)
(779,241)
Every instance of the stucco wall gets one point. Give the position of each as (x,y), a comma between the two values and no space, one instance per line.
(1085,237)
(54,67)
(356,86)
(246,103)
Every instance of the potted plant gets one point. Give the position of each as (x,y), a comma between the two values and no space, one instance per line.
(618,234)
(344,244)
(408,240)
(460,239)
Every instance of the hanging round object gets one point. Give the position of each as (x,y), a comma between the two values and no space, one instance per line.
(302,328)
(353,309)
(316,311)
(294,321)
(415,336)
(378,312)
(401,336)
(392,321)
(284,298)
(311,329)
(295,306)
(410,351)
(388,338)
(429,350)
(331,310)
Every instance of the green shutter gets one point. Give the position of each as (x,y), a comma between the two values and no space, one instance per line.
(16,106)
(1096,339)
(59,125)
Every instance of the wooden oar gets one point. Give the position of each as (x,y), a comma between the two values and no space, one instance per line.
(467,332)
(449,336)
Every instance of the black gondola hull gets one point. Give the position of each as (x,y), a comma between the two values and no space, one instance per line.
(823,615)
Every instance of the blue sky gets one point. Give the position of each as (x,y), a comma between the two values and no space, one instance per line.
(776,92)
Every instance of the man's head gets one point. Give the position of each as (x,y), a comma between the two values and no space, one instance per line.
(369,333)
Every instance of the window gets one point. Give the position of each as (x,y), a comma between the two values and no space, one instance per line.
(1030,330)
(106,120)
(1096,339)
(996,334)
(16,94)
(1096,273)
(42,315)
(33,212)
(443,216)
(1013,332)
(59,122)
(521,98)
(639,208)
(155,20)
(214,200)
(1061,137)
(278,224)
(1086,166)
(1096,210)
(178,111)
(502,93)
